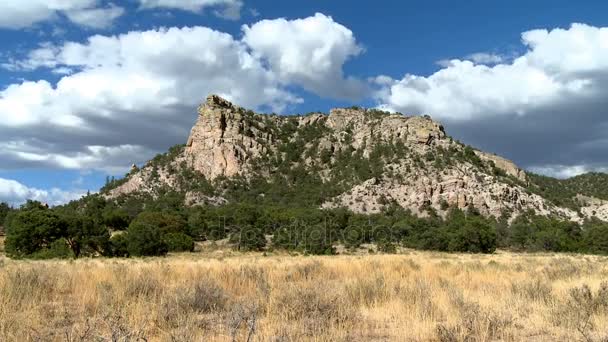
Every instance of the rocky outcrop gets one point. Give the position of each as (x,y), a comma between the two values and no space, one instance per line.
(503,164)
(462,187)
(223,139)
(431,170)
(593,207)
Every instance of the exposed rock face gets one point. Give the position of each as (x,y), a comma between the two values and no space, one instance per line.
(503,164)
(432,170)
(223,139)
(594,207)
(461,188)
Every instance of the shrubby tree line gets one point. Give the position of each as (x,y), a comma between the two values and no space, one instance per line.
(276,207)
(94,226)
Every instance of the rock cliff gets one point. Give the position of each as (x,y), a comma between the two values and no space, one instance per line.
(367,159)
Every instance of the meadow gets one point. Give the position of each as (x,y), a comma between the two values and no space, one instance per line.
(228,296)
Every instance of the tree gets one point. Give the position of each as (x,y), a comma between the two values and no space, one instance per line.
(476,236)
(117,219)
(165,222)
(119,245)
(5,209)
(179,242)
(596,237)
(145,239)
(249,238)
(32,229)
(85,236)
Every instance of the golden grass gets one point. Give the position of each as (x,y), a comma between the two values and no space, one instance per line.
(416,296)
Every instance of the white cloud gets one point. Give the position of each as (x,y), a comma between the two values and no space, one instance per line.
(15,193)
(309,52)
(18,14)
(564,171)
(558,63)
(552,96)
(122,98)
(485,58)
(227,9)
(96,17)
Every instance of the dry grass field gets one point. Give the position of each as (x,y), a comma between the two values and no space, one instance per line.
(415,296)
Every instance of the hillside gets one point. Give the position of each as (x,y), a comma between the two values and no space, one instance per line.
(361,159)
(318,184)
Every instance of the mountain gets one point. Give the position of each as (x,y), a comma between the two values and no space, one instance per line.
(361,159)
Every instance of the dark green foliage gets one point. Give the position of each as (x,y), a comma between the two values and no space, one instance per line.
(538,233)
(32,229)
(116,219)
(145,239)
(58,249)
(165,222)
(5,209)
(476,235)
(249,238)
(562,192)
(207,224)
(84,236)
(595,237)
(119,245)
(179,242)
(316,240)
(470,156)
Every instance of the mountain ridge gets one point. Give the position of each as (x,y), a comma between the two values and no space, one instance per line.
(366,159)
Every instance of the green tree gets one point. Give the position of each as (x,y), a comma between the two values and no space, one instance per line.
(166,222)
(117,219)
(32,229)
(145,239)
(119,245)
(595,239)
(249,238)
(179,242)
(5,209)
(85,236)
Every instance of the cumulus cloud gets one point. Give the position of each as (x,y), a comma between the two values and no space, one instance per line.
(121,99)
(545,107)
(309,52)
(15,193)
(96,17)
(485,58)
(227,9)
(18,14)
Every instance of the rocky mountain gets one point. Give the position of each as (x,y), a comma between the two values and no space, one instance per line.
(361,159)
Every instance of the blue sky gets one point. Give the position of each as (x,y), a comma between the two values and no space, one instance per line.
(90,87)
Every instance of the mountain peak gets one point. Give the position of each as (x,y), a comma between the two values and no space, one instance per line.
(216,101)
(356,158)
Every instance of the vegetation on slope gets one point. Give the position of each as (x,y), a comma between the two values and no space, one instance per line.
(94,226)
(279,200)
(562,192)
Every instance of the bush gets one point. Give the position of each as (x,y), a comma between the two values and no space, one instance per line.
(32,230)
(596,237)
(145,240)
(249,239)
(316,240)
(119,245)
(165,222)
(179,242)
(116,219)
(58,249)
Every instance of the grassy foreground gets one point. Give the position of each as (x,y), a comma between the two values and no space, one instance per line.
(415,296)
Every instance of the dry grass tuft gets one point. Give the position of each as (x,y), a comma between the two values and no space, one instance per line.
(417,296)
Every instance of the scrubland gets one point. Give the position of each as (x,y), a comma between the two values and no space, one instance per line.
(226,296)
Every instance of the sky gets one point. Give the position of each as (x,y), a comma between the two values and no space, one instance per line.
(89,87)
